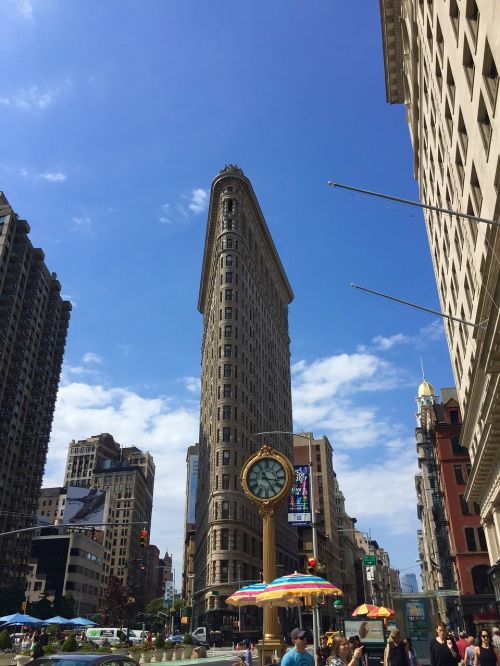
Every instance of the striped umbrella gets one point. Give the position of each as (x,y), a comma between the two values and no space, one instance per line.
(381,612)
(247,596)
(364,609)
(297,585)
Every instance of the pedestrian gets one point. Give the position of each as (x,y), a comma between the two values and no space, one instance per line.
(342,654)
(469,651)
(412,657)
(462,644)
(484,653)
(323,652)
(495,640)
(355,642)
(247,652)
(36,650)
(26,643)
(43,638)
(298,655)
(396,652)
(443,649)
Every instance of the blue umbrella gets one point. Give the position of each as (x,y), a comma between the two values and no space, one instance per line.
(19,618)
(82,622)
(57,619)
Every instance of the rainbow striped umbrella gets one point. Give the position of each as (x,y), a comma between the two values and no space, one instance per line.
(382,611)
(364,609)
(247,596)
(286,588)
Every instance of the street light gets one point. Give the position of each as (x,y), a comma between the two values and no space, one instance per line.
(308,436)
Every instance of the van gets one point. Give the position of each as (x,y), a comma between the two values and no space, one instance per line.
(111,634)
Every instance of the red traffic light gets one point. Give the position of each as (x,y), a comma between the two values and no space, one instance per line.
(144,538)
(311,562)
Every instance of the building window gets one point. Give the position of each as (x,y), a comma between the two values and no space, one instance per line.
(228,313)
(227,350)
(490,74)
(464,506)
(226,391)
(468,64)
(225,482)
(226,434)
(472,16)
(229,277)
(480,579)
(482,539)
(455,445)
(454,16)
(470,538)
(227,370)
(484,122)
(459,474)
(225,509)
(228,331)
(228,295)
(224,539)
(224,571)
(226,413)
(226,457)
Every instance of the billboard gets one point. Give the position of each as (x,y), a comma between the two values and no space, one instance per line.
(169,596)
(369,631)
(416,620)
(299,501)
(191,489)
(84,506)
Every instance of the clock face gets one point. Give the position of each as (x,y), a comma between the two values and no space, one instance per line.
(266,478)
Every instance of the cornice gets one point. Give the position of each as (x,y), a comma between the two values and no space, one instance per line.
(230,173)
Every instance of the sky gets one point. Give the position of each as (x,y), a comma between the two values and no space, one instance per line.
(115,117)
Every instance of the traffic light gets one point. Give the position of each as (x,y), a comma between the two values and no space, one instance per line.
(311,565)
(144,539)
(24,606)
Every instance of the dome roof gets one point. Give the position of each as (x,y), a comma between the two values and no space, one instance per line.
(426,389)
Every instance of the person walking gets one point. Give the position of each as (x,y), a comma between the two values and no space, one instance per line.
(298,655)
(247,652)
(443,649)
(396,652)
(469,651)
(323,652)
(412,657)
(342,654)
(485,654)
(44,637)
(495,638)
(36,649)
(462,645)
(355,642)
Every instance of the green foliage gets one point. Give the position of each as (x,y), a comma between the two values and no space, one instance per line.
(64,605)
(159,642)
(50,648)
(70,644)
(5,641)
(187,639)
(116,603)
(87,647)
(103,649)
(11,600)
(169,645)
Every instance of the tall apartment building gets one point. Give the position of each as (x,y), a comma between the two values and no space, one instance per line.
(33,327)
(441,61)
(127,474)
(380,581)
(245,389)
(452,544)
(190,524)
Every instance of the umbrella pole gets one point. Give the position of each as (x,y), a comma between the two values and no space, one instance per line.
(300,616)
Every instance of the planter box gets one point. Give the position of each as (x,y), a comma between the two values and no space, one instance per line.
(146,657)
(168,655)
(187,652)
(21,660)
(178,654)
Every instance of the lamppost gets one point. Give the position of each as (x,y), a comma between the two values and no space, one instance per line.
(308,436)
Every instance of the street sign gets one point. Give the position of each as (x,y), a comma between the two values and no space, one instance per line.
(369,560)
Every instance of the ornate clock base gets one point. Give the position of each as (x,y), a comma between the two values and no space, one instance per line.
(269,649)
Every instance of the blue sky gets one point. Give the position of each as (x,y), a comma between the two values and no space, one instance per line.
(115,117)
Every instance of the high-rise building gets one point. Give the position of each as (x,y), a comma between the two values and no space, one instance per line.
(409,583)
(245,389)
(33,326)
(442,61)
(451,542)
(380,581)
(127,475)
(190,524)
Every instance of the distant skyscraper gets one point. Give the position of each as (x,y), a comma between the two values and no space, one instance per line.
(33,326)
(442,61)
(409,583)
(245,389)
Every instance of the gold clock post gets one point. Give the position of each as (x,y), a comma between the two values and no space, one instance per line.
(266,479)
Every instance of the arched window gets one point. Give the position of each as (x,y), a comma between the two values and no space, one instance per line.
(480,580)
(229,259)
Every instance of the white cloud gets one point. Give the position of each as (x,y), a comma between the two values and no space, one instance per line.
(35,97)
(26,9)
(193,384)
(165,217)
(199,200)
(82,224)
(53,176)
(90,357)
(157,425)
(384,343)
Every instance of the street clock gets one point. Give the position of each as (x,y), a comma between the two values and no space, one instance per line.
(267,476)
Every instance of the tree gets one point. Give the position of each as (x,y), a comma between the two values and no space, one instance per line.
(115,607)
(64,605)
(41,608)
(11,600)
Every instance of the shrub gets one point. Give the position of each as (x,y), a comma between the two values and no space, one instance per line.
(103,649)
(187,639)
(70,644)
(5,640)
(169,645)
(159,642)
(50,648)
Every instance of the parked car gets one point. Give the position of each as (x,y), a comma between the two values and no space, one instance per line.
(79,659)
(178,638)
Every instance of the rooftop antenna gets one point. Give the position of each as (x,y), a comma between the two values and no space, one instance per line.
(422,366)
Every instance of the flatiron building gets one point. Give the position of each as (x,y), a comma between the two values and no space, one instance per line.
(245,389)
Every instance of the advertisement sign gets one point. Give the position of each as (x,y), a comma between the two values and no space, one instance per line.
(168,597)
(191,490)
(415,620)
(84,506)
(299,505)
(369,631)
